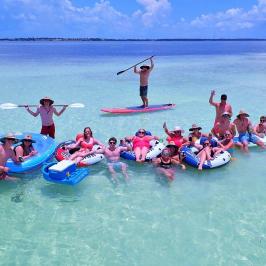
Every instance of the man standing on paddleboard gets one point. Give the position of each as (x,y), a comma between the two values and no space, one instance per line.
(144,73)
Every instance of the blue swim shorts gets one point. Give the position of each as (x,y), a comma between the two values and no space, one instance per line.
(248,138)
(116,165)
(143,91)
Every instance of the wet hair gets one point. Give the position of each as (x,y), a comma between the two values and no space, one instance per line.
(166,152)
(224,97)
(112,139)
(84,135)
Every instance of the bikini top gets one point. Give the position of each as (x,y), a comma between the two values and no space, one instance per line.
(166,165)
(87,145)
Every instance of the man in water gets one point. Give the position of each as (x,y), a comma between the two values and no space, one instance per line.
(7,152)
(221,107)
(244,129)
(112,154)
(144,74)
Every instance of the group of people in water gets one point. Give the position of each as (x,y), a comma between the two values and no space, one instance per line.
(219,139)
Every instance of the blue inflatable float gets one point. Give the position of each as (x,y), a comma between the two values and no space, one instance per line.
(192,159)
(64,172)
(44,145)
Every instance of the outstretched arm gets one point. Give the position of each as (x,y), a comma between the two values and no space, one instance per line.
(211,99)
(100,150)
(166,129)
(98,142)
(61,111)
(135,70)
(176,162)
(31,112)
(152,64)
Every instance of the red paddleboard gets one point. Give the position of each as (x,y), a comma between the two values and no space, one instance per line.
(139,109)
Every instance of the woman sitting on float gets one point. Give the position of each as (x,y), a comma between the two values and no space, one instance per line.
(175,137)
(86,142)
(25,150)
(141,144)
(225,144)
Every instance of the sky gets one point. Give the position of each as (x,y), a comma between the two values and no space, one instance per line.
(133,18)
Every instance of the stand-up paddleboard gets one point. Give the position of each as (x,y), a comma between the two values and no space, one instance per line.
(139,109)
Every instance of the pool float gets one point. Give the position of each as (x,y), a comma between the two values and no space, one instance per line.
(64,172)
(250,144)
(44,145)
(62,154)
(191,158)
(156,148)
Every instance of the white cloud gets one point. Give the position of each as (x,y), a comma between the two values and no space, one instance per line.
(154,11)
(233,19)
(152,20)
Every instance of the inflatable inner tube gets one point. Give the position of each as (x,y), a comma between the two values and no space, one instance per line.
(191,158)
(44,145)
(155,150)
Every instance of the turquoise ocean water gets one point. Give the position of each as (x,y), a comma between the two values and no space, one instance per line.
(215,217)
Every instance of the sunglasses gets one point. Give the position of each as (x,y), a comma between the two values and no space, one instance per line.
(141,132)
(262,120)
(11,139)
(112,142)
(27,140)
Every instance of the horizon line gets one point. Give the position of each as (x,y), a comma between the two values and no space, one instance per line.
(126,39)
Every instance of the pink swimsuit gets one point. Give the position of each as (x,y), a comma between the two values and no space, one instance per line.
(141,142)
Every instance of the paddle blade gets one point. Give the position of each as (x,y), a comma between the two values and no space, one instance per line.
(120,72)
(8,106)
(76,105)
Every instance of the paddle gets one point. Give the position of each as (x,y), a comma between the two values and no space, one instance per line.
(13,105)
(120,72)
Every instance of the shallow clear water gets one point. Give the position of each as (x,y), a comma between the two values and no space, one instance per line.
(210,218)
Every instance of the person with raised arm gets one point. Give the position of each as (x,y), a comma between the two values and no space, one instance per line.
(175,136)
(144,73)
(220,107)
(46,111)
